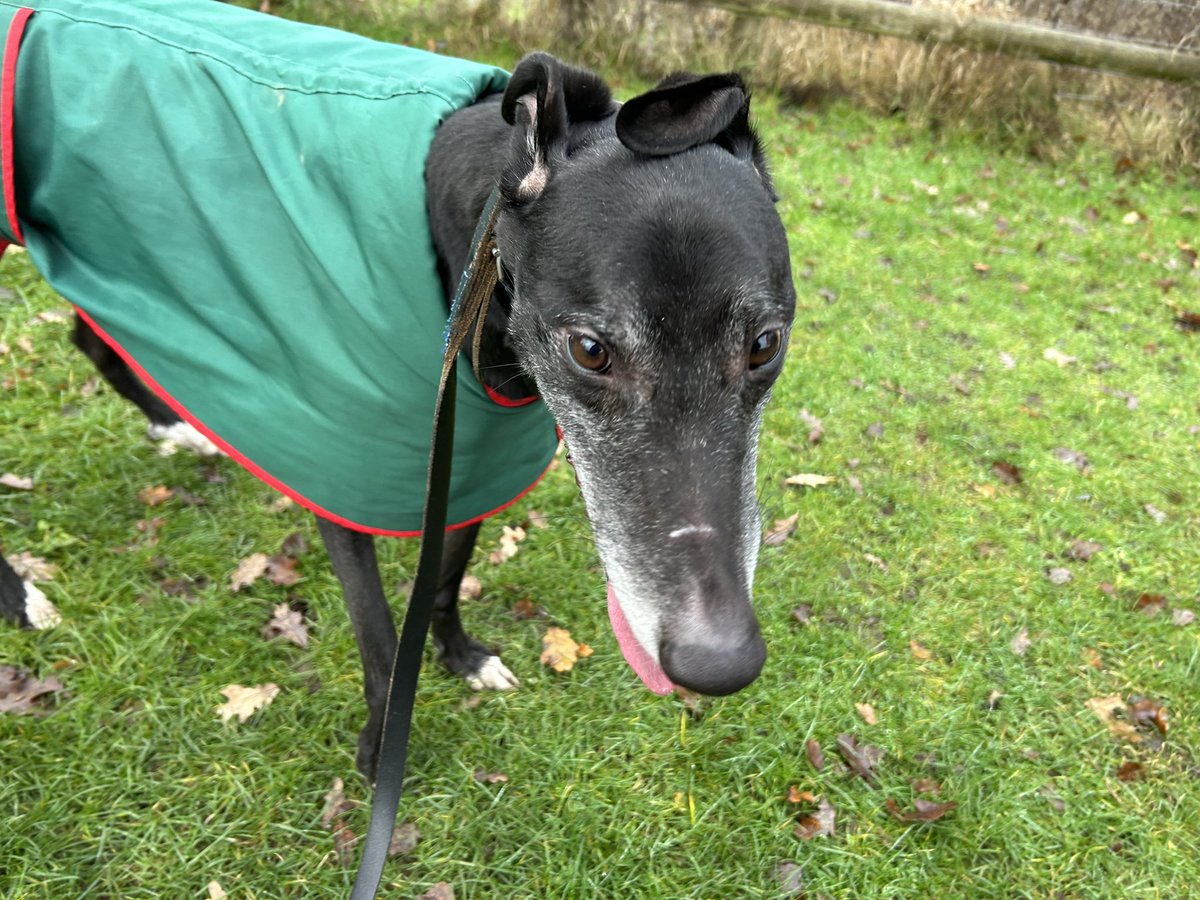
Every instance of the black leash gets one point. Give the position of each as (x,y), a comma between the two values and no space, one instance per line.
(467,313)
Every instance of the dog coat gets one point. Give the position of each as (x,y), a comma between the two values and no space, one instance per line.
(236,203)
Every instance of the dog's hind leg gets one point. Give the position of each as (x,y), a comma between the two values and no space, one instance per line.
(165,424)
(22,603)
(352,554)
(457,650)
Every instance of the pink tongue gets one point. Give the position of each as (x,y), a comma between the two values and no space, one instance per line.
(639,660)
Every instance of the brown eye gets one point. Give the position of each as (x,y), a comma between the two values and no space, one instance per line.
(588,353)
(765,348)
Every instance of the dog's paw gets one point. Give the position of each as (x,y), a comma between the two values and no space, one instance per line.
(39,611)
(491,675)
(182,434)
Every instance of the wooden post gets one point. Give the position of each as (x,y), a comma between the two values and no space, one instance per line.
(1013,38)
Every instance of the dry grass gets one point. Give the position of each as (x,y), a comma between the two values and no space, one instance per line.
(1041,107)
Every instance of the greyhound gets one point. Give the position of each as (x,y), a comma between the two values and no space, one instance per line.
(646,297)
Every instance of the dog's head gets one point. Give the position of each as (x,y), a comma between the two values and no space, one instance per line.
(651,302)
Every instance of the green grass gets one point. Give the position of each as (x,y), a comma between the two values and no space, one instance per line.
(132,787)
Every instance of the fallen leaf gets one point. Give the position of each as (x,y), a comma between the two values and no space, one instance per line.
(1142,710)
(919,651)
(790,878)
(816,430)
(440,891)
(1130,771)
(32,568)
(985,490)
(248,571)
(509,539)
(280,504)
(295,544)
(867,711)
(795,795)
(1007,360)
(561,651)
(1182,617)
(16,482)
(485,777)
(154,496)
(1079,460)
(780,531)
(1155,513)
(405,838)
(1083,550)
(1060,359)
(21,694)
(861,759)
(343,843)
(1150,604)
(1059,575)
(803,613)
(470,588)
(815,757)
(923,810)
(875,561)
(287,623)
(1107,710)
(216,892)
(336,804)
(281,570)
(537,519)
(810,479)
(243,702)
(526,609)
(1020,643)
(926,786)
(1006,472)
(819,823)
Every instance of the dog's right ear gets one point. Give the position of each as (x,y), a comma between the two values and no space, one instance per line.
(544,97)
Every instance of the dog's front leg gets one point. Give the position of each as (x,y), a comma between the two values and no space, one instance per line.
(352,554)
(457,650)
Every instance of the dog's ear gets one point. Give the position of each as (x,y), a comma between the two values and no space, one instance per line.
(685,111)
(543,99)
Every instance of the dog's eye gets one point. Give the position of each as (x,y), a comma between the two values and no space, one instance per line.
(765,348)
(588,353)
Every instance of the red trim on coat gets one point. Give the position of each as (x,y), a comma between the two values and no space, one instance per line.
(258,472)
(8,91)
(501,400)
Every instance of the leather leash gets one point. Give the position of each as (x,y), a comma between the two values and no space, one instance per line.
(467,313)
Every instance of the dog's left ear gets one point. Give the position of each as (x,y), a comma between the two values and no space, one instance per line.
(685,111)
(543,99)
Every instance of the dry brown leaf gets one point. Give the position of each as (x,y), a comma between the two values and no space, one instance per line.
(216,892)
(155,495)
(336,804)
(243,702)
(1020,643)
(248,571)
(281,570)
(509,539)
(816,430)
(1182,617)
(1060,576)
(867,711)
(1107,710)
(20,692)
(1131,771)
(861,759)
(560,651)
(923,810)
(1142,710)
(1150,604)
(1083,550)
(780,531)
(16,482)
(819,823)
(485,777)
(1006,472)
(918,651)
(405,838)
(810,479)
(440,891)
(815,756)
(1060,359)
(287,623)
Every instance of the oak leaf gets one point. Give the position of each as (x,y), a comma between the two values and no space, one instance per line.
(561,652)
(243,702)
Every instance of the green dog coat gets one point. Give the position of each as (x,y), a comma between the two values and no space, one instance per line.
(236,203)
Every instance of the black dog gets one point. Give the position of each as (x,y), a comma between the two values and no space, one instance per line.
(646,296)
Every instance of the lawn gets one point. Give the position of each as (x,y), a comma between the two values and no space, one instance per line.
(1008,397)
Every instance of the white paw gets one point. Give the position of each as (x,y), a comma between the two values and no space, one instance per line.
(181,434)
(40,612)
(492,675)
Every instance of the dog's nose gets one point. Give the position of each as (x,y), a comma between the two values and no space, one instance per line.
(718,665)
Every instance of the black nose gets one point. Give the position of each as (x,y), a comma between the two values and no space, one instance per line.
(718,666)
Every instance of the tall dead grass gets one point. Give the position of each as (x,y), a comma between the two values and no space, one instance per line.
(1043,108)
